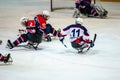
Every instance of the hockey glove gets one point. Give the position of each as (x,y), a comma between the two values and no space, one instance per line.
(91,44)
(48,38)
(22,31)
(61,39)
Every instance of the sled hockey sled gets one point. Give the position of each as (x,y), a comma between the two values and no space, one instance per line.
(8,59)
(32,45)
(29,45)
(86,48)
(101,11)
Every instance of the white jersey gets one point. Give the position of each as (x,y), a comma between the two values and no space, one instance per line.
(75,31)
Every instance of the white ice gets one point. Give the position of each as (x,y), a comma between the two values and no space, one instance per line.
(52,61)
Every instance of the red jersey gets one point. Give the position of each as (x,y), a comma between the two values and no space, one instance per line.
(41,22)
(31,26)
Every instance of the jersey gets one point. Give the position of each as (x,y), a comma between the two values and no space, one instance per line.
(31,28)
(76,32)
(40,21)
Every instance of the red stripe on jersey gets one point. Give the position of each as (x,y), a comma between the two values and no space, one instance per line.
(17,41)
(22,38)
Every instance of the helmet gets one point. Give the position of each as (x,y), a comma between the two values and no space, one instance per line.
(79,21)
(45,14)
(24,21)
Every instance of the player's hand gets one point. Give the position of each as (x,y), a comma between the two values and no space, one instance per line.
(48,38)
(91,44)
(61,39)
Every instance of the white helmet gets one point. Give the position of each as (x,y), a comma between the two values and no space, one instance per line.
(46,14)
(79,21)
(24,21)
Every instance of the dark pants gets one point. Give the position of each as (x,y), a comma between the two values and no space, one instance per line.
(75,45)
(50,29)
(35,38)
(86,10)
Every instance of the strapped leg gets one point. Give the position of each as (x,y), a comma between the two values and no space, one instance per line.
(33,45)
(79,47)
(8,58)
(9,44)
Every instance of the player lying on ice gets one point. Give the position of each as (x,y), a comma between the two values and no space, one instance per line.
(4,58)
(35,30)
(86,8)
(79,36)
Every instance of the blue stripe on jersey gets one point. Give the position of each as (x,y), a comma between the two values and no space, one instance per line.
(76,26)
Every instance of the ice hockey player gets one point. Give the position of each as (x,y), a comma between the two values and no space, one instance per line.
(31,34)
(85,7)
(5,58)
(43,26)
(35,29)
(79,36)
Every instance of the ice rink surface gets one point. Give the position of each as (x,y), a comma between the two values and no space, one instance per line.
(52,61)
